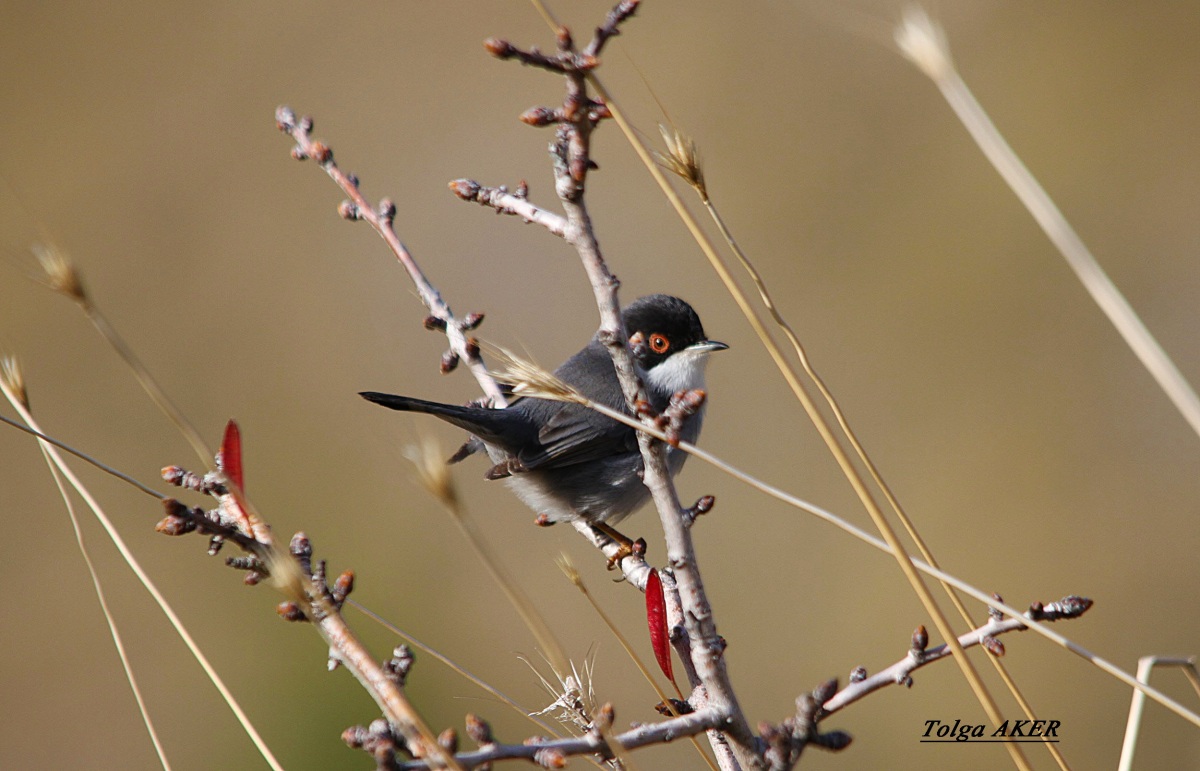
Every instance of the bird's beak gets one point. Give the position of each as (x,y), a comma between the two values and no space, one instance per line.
(707,346)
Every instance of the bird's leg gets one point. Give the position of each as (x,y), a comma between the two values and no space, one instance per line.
(628,547)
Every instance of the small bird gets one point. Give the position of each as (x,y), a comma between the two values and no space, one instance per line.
(568,462)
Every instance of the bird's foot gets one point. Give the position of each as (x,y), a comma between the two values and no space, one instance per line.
(626,547)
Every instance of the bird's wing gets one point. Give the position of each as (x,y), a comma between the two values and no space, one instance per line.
(575,434)
(571,433)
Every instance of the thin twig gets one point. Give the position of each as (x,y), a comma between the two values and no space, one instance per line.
(900,672)
(83,456)
(386,692)
(381,220)
(504,202)
(452,665)
(642,736)
(311,598)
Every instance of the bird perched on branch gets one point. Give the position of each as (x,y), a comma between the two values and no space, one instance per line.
(566,461)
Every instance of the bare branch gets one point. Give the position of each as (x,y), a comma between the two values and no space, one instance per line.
(502,49)
(787,740)
(504,202)
(643,735)
(381,219)
(900,672)
(311,598)
(620,12)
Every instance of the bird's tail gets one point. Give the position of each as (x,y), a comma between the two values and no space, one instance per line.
(446,412)
(487,424)
(459,416)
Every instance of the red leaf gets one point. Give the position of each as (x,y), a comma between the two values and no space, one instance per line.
(656,618)
(229,459)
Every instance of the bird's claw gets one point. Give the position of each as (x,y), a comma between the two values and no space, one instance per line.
(626,547)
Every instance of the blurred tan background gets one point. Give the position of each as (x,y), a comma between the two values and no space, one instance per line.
(1035,453)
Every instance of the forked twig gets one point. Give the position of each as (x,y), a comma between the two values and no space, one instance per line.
(381,218)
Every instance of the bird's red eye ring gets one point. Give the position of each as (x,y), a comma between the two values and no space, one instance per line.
(659,343)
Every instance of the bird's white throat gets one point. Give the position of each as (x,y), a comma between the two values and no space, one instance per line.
(682,372)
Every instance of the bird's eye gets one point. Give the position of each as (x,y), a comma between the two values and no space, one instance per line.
(659,343)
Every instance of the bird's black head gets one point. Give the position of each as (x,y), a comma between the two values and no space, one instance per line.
(660,326)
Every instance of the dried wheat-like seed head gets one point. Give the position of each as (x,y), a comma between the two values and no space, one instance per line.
(923,42)
(61,274)
(528,379)
(434,473)
(682,158)
(568,568)
(574,695)
(14,379)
